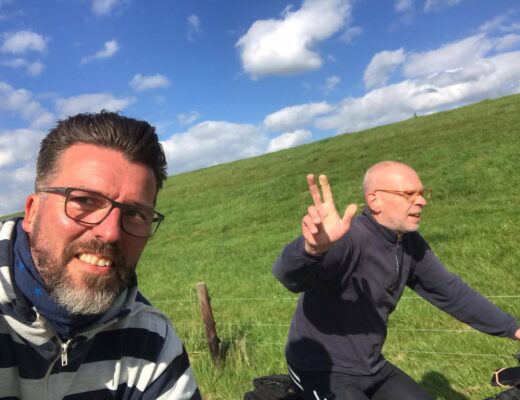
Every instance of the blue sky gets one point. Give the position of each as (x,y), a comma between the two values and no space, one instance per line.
(230,79)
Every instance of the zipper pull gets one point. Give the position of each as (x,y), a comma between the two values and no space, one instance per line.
(64,355)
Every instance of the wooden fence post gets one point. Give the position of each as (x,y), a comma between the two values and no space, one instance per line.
(209,323)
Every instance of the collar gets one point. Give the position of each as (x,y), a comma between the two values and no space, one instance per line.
(388,234)
(32,286)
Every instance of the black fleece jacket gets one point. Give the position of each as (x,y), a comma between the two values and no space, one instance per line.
(340,323)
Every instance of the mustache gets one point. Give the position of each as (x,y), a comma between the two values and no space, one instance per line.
(105,250)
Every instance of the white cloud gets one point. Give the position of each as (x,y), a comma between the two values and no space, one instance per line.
(505,23)
(21,102)
(193,27)
(403,5)
(210,143)
(286,46)
(452,55)
(507,41)
(104,7)
(351,33)
(288,139)
(32,68)
(6,157)
(24,41)
(330,83)
(294,117)
(433,5)
(188,119)
(381,66)
(92,103)
(141,82)
(18,146)
(488,78)
(18,149)
(109,49)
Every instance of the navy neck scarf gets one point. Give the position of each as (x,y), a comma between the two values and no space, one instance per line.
(33,288)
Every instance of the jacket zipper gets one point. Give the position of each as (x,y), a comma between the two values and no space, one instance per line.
(64,345)
(395,284)
(64,354)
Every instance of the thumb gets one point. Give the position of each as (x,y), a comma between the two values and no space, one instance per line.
(350,212)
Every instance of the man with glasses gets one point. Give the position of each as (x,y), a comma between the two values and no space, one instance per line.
(72,322)
(352,272)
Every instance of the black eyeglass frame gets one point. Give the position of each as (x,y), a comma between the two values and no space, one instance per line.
(67,190)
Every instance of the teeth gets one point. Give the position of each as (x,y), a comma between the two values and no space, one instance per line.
(94,260)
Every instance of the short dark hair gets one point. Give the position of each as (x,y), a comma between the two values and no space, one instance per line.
(137,140)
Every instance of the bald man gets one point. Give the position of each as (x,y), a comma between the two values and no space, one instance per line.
(352,272)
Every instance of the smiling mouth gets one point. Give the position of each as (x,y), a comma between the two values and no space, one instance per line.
(94,260)
(416,215)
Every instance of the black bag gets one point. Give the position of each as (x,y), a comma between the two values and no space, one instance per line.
(509,377)
(509,394)
(273,387)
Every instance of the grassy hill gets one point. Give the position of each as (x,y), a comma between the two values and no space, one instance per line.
(226,225)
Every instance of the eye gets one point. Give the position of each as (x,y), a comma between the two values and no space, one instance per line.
(137,215)
(86,201)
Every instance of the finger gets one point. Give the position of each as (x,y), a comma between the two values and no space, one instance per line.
(350,212)
(310,225)
(314,191)
(325,189)
(313,213)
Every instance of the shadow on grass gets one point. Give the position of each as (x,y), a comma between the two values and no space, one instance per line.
(439,386)
(234,343)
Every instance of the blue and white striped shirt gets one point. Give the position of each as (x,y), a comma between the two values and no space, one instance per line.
(133,352)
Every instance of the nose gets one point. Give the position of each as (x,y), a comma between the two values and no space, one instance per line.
(109,230)
(421,200)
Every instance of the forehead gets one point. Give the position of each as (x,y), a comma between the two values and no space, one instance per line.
(400,177)
(107,171)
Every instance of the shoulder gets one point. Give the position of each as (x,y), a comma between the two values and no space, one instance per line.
(144,315)
(359,229)
(145,331)
(414,241)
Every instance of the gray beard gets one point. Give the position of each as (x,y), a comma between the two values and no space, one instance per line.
(89,300)
(96,294)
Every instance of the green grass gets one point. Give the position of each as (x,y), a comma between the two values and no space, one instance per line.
(226,225)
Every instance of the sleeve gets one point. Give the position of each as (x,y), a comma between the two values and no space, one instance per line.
(299,271)
(447,291)
(176,380)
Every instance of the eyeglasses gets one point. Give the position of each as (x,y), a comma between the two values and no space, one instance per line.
(92,208)
(409,196)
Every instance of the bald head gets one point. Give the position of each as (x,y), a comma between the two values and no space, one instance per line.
(394,195)
(388,175)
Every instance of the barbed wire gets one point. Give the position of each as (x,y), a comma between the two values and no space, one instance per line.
(217,299)
(267,324)
(386,351)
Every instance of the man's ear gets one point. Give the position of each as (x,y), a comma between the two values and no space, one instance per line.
(373,202)
(32,204)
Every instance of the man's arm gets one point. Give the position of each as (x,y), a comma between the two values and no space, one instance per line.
(451,294)
(176,382)
(164,372)
(300,263)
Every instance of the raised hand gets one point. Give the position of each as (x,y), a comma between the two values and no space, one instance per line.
(322,225)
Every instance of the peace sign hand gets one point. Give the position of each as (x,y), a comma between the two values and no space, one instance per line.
(322,225)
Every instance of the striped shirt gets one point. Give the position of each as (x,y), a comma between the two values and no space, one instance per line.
(133,352)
